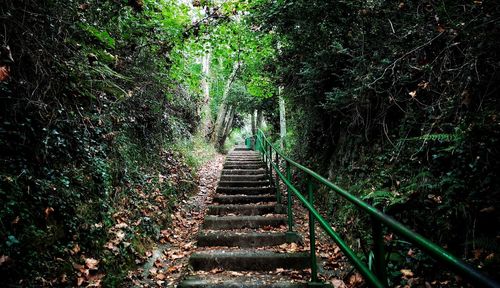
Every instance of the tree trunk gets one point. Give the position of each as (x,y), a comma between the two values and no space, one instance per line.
(229,125)
(206,117)
(282,119)
(254,130)
(220,124)
(260,117)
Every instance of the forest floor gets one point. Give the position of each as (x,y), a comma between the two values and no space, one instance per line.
(167,264)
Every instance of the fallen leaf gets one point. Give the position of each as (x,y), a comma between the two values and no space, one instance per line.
(406,273)
(153,271)
(79,268)
(4,259)
(172,269)
(15,221)
(337,283)
(158,263)
(48,211)
(84,6)
(121,225)
(4,73)
(75,249)
(79,281)
(160,276)
(487,209)
(91,263)
(355,279)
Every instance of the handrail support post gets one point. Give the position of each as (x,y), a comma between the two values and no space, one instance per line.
(312,236)
(289,198)
(277,182)
(270,164)
(379,250)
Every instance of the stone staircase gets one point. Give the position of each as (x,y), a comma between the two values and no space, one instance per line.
(237,227)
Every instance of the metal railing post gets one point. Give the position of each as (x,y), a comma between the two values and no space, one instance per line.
(379,251)
(312,234)
(270,163)
(277,182)
(289,197)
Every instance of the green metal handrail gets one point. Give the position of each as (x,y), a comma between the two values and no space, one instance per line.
(378,277)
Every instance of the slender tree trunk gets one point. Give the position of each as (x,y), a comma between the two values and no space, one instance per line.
(282,118)
(229,125)
(254,130)
(260,117)
(206,117)
(223,109)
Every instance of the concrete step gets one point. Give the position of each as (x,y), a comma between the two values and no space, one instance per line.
(244,155)
(237,161)
(244,240)
(239,222)
(242,148)
(245,190)
(261,183)
(231,281)
(243,177)
(243,171)
(244,166)
(243,199)
(251,209)
(248,260)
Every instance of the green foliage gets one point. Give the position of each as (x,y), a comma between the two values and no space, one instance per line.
(90,121)
(395,99)
(196,150)
(102,36)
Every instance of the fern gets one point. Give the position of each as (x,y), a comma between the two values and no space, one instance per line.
(385,198)
(441,137)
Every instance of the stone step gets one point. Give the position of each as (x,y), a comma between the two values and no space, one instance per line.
(241,209)
(244,155)
(243,199)
(243,177)
(259,183)
(243,172)
(237,161)
(244,166)
(245,190)
(244,239)
(241,149)
(231,281)
(239,222)
(248,260)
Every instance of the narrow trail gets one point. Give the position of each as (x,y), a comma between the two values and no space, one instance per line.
(240,229)
(232,233)
(244,240)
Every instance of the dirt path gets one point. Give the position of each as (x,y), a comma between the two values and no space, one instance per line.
(167,264)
